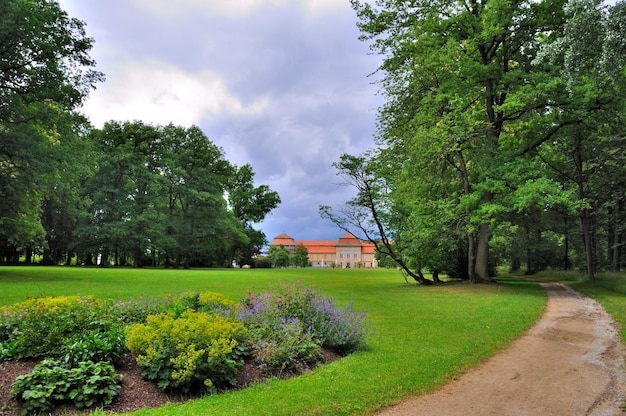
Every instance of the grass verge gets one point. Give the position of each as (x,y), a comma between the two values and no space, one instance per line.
(425,336)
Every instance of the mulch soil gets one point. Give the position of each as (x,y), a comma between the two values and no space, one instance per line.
(137,393)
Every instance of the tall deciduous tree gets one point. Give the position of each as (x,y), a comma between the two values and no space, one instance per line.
(369,214)
(586,153)
(250,205)
(45,71)
(457,73)
(200,227)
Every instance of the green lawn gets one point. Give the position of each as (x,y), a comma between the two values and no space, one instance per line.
(425,336)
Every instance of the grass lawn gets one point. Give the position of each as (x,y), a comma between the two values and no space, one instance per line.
(425,336)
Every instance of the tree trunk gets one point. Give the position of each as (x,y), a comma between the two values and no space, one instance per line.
(481,268)
(566,262)
(28,255)
(588,244)
(137,258)
(530,267)
(471,240)
(585,216)
(104,258)
(615,247)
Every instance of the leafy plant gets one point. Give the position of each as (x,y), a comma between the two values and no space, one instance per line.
(319,320)
(285,346)
(95,345)
(136,310)
(214,302)
(39,326)
(50,383)
(343,330)
(194,351)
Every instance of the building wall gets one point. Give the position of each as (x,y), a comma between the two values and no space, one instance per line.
(346,252)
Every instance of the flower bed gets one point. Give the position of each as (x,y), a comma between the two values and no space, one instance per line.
(193,343)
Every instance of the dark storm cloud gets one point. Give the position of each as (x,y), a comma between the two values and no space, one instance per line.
(282,85)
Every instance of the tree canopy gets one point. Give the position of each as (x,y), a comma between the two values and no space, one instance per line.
(500,116)
(128,193)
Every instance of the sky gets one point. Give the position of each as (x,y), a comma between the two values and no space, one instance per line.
(283,85)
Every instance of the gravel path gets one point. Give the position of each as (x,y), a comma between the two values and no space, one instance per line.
(570,363)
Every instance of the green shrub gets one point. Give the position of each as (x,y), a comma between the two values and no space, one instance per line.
(278,340)
(284,345)
(51,383)
(105,344)
(40,326)
(341,329)
(194,351)
(214,302)
(135,311)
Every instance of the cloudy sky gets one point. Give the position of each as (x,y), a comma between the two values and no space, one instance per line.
(280,84)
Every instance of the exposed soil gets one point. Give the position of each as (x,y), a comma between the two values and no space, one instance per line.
(136,392)
(570,363)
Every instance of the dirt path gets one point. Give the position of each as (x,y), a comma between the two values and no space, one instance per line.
(570,363)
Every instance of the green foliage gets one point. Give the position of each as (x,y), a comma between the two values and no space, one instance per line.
(301,257)
(279,256)
(51,383)
(214,302)
(102,344)
(70,328)
(136,310)
(40,326)
(289,323)
(342,329)
(195,351)
(45,73)
(284,344)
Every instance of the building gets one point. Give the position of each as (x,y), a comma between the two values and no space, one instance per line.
(346,252)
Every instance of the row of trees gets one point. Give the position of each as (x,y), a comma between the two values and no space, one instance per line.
(279,256)
(129,193)
(501,140)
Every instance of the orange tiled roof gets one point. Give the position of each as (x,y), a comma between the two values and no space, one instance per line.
(319,246)
(283,239)
(325,246)
(349,239)
(368,248)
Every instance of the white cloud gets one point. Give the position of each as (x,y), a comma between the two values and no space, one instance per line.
(232,8)
(159,93)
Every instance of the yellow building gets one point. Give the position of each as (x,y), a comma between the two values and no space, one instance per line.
(346,252)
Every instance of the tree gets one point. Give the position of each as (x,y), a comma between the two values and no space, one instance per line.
(301,256)
(250,205)
(200,227)
(462,78)
(590,54)
(64,205)
(369,211)
(45,72)
(279,256)
(124,190)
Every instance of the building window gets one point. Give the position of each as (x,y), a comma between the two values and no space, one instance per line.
(340,255)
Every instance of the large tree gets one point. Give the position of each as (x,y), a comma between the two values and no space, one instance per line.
(250,204)
(200,228)
(588,102)
(45,71)
(462,79)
